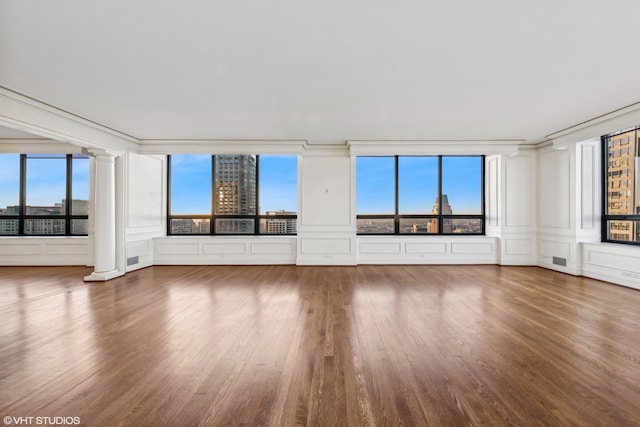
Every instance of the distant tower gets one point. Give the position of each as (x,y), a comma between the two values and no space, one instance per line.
(446,210)
(621,197)
(235,191)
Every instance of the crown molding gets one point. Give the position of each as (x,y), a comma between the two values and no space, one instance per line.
(26,114)
(434,147)
(37,145)
(221,146)
(623,118)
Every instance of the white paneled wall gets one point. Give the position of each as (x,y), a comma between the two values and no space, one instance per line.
(569,185)
(326,224)
(43,250)
(427,250)
(556,209)
(145,207)
(613,263)
(510,206)
(227,250)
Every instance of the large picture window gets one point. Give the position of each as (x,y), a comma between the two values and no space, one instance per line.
(229,194)
(621,195)
(44,194)
(420,195)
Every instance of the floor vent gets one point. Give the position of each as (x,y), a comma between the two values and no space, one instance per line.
(560,261)
(132,260)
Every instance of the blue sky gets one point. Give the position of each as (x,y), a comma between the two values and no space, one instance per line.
(418,184)
(46,179)
(191,183)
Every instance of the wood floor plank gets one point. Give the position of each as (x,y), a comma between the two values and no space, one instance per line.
(329,346)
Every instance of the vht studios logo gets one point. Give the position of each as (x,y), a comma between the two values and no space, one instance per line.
(41,421)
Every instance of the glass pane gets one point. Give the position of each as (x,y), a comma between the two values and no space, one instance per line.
(190,184)
(234,226)
(418,225)
(465,226)
(191,226)
(417,184)
(9,184)
(79,226)
(462,185)
(44,226)
(8,226)
(375,185)
(624,231)
(375,226)
(46,186)
(235,184)
(80,186)
(278,184)
(621,179)
(277,226)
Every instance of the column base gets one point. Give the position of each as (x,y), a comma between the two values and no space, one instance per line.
(103,276)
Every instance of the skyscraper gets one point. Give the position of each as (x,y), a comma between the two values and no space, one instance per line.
(622,188)
(432,226)
(235,192)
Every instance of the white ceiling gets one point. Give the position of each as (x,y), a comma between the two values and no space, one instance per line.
(325,71)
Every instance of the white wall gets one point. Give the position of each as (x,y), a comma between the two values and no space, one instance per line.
(427,250)
(326,223)
(569,208)
(556,209)
(224,250)
(146,177)
(510,200)
(43,250)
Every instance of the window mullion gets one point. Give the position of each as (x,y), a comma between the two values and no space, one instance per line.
(68,202)
(22,210)
(440,218)
(212,227)
(396,218)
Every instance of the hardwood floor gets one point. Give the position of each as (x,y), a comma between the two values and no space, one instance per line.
(328,346)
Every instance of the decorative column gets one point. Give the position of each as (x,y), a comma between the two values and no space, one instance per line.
(104,219)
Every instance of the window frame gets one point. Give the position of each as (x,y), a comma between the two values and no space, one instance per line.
(397,216)
(22,216)
(605,217)
(213,217)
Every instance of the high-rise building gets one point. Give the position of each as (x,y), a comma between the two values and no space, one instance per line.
(235,191)
(432,226)
(622,188)
(280,225)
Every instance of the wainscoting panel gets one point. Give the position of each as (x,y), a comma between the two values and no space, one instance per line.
(43,251)
(614,263)
(426,250)
(203,250)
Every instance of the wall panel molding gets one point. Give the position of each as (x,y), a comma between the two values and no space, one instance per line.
(228,250)
(34,251)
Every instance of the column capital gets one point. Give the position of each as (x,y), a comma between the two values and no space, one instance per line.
(98,152)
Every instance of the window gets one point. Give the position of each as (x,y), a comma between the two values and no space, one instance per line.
(621,185)
(44,194)
(420,195)
(232,194)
